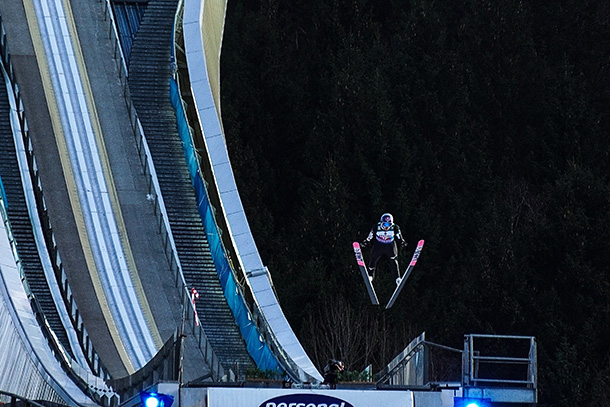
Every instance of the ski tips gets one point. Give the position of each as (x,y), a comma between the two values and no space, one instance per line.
(356,245)
(420,243)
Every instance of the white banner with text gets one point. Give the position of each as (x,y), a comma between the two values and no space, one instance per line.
(240,397)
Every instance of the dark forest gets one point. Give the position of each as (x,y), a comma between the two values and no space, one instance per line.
(481,125)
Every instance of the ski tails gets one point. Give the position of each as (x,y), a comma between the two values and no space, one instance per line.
(418,249)
(365,274)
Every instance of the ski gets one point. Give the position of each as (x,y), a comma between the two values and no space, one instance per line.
(365,274)
(420,245)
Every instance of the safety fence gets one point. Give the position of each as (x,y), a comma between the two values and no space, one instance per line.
(257,347)
(198,67)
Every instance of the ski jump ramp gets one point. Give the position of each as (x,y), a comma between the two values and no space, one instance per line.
(202,45)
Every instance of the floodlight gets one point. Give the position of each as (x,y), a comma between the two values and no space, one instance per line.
(471,402)
(152,399)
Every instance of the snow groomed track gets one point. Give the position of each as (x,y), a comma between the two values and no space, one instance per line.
(92,196)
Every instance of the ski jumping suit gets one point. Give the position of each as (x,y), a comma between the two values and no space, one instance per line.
(384,239)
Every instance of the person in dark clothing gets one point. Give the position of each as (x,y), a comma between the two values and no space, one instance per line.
(331,372)
(383,237)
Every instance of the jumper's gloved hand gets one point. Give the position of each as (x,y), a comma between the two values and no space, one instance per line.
(364,244)
(403,244)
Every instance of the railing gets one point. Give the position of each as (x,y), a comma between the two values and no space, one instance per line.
(14,399)
(496,370)
(500,367)
(418,366)
(495,367)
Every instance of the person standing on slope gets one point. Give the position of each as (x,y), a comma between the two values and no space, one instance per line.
(384,236)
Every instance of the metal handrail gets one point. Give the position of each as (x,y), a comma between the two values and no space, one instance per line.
(14,398)
(500,359)
(472,360)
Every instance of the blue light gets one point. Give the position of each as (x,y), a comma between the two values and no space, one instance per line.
(151,399)
(471,402)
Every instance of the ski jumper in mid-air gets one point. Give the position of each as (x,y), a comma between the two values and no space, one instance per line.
(383,237)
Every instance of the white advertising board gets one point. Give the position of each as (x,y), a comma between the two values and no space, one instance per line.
(236,397)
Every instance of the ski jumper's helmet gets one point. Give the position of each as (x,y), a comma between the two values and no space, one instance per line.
(387,220)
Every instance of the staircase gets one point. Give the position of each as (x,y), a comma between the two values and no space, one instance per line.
(149,78)
(21,226)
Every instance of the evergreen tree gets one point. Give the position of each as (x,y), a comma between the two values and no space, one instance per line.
(482,125)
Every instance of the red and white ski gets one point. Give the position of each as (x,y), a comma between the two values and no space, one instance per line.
(420,246)
(365,274)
